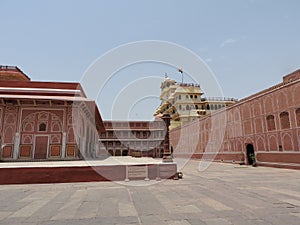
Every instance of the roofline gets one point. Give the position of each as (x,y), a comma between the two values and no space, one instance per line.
(129,121)
(13,69)
(43,84)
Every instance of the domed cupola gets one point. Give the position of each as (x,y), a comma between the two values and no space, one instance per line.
(167,82)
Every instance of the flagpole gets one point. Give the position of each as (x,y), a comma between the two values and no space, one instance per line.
(182,77)
(181,71)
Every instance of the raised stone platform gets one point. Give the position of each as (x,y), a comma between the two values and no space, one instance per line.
(111,169)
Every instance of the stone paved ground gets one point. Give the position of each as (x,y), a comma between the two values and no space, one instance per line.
(222,194)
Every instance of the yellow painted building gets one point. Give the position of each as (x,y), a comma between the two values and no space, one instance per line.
(185,102)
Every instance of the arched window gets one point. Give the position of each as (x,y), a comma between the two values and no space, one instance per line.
(42,127)
(284,120)
(179,96)
(180,107)
(207,107)
(187,107)
(196,106)
(270,122)
(298,117)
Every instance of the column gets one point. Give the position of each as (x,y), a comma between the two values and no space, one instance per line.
(63,147)
(167,153)
(16,146)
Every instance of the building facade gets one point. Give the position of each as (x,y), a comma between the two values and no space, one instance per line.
(56,121)
(133,138)
(185,102)
(266,125)
(45,120)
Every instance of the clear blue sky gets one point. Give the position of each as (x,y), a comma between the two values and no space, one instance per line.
(249,44)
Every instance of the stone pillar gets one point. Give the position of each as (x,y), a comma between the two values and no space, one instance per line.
(1,146)
(83,142)
(16,146)
(167,153)
(63,147)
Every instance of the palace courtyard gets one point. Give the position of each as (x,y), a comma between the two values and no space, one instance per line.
(221,194)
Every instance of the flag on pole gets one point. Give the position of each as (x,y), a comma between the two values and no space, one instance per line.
(180,70)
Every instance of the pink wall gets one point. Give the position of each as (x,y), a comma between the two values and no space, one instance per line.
(225,134)
(50,132)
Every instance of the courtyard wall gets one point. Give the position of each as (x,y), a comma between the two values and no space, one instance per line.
(267,122)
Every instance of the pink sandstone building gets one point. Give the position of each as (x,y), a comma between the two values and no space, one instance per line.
(45,120)
(56,121)
(265,125)
(134,138)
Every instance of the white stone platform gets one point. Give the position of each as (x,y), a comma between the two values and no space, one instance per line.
(110,161)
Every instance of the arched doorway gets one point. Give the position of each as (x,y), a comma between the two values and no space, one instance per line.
(41,133)
(250,154)
(125,152)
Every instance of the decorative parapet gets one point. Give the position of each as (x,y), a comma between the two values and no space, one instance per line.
(219,99)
